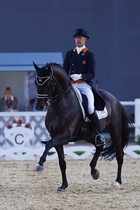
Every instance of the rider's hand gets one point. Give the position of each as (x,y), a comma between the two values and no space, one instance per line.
(76,77)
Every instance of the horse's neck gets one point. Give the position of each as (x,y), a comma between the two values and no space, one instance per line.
(67,102)
(62,83)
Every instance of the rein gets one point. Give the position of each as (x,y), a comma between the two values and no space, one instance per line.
(55,98)
(50,99)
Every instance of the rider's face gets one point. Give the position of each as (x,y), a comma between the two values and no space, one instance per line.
(80,41)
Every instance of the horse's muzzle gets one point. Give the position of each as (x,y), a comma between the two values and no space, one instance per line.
(39,108)
(40,105)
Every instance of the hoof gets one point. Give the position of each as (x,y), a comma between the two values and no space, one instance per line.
(96,175)
(39,168)
(59,189)
(116,186)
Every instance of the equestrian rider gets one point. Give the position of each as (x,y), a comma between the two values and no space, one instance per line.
(79,64)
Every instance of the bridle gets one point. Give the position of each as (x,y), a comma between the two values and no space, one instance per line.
(42,96)
(49,97)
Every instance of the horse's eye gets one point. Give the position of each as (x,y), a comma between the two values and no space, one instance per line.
(40,80)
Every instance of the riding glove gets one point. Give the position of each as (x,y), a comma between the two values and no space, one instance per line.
(76,77)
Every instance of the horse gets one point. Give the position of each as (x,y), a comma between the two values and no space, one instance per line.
(65,122)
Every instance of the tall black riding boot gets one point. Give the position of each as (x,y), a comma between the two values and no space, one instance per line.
(99,139)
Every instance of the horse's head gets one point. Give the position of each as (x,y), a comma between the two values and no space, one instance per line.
(51,82)
(43,82)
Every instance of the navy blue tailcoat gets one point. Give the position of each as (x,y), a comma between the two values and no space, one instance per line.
(84,63)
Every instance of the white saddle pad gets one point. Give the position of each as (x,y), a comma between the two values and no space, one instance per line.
(101,114)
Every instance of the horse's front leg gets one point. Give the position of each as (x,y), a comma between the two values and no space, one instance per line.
(62,164)
(58,140)
(94,172)
(39,166)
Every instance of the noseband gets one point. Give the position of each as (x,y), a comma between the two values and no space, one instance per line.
(40,81)
(41,84)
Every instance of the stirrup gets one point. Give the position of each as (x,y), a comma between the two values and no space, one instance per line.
(97,137)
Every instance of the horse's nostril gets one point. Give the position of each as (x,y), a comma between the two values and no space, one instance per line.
(39,108)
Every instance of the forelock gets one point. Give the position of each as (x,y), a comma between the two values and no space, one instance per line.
(44,71)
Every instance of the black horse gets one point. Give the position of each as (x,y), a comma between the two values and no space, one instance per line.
(64,121)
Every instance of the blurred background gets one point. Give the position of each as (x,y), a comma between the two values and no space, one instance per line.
(32,29)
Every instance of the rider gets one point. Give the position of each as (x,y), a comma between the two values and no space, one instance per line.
(79,63)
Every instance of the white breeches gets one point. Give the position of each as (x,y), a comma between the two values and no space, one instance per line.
(85,89)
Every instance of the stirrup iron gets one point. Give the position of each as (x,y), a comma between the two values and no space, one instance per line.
(96,140)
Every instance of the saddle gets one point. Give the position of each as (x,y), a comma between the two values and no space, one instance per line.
(83,101)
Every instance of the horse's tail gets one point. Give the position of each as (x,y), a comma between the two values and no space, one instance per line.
(126,127)
(109,152)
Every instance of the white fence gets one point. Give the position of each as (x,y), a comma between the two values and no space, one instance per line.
(136,104)
(21,143)
(40,116)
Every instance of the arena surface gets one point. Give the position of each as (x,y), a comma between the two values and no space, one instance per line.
(23,189)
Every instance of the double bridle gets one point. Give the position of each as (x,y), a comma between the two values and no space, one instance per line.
(49,97)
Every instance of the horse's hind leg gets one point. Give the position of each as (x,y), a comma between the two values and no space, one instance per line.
(118,147)
(119,158)
(62,164)
(94,172)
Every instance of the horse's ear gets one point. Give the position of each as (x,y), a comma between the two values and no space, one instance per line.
(36,67)
(51,71)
